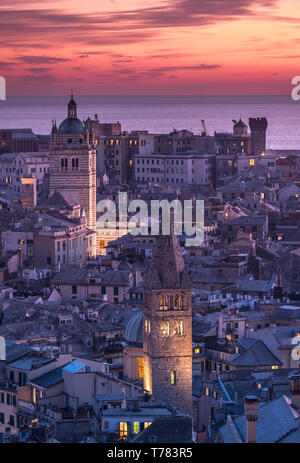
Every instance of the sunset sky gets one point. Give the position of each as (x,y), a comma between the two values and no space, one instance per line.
(149,47)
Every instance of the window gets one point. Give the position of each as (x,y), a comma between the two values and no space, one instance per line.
(48,260)
(106,425)
(147,326)
(163,305)
(75,163)
(11,421)
(147,423)
(173,377)
(22,379)
(2,418)
(123,429)
(74,289)
(164,329)
(178,328)
(103,290)
(141,367)
(251,162)
(12,375)
(116,291)
(136,427)
(64,164)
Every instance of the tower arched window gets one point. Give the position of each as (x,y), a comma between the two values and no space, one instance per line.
(64,164)
(75,164)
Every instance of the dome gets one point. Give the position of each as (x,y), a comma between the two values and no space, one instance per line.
(71,126)
(134,330)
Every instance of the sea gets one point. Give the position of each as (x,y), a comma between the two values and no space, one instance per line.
(162,114)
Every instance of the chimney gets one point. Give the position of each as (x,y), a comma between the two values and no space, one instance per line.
(252,414)
(295,390)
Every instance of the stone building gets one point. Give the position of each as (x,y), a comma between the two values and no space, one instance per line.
(258,126)
(73,164)
(167,338)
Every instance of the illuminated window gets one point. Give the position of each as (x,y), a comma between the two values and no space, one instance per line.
(275,367)
(178,328)
(147,326)
(111,143)
(259,386)
(123,429)
(20,241)
(236,350)
(263,153)
(163,303)
(197,351)
(230,163)
(141,367)
(228,337)
(130,162)
(252,162)
(173,377)
(136,427)
(207,392)
(147,423)
(164,329)
(242,143)
(34,395)
(297,195)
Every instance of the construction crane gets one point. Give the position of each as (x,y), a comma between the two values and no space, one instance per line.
(204,127)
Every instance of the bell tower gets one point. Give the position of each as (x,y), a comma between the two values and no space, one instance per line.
(73,165)
(167,335)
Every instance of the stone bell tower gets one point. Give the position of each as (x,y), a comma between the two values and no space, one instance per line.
(167,336)
(73,165)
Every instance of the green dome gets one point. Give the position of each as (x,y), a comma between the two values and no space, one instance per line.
(71,126)
(134,330)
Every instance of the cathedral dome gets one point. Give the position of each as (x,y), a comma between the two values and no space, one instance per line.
(71,126)
(134,330)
